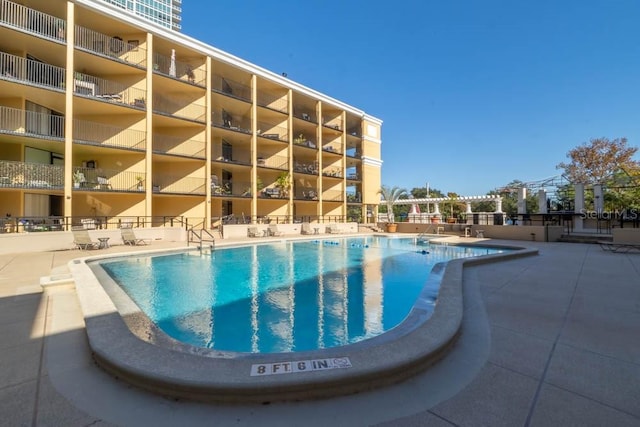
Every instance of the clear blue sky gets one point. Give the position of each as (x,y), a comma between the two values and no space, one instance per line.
(473,94)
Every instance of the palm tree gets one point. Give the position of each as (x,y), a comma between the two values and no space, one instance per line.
(390,195)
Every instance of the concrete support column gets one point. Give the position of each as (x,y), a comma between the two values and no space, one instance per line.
(542,201)
(579,207)
(522,200)
(499,205)
(436,208)
(598,198)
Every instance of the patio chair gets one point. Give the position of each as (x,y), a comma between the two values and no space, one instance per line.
(82,239)
(253,232)
(306,228)
(129,238)
(333,229)
(273,231)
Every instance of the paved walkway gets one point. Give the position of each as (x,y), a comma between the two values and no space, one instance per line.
(551,340)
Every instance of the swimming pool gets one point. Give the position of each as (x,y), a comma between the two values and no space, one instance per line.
(286,296)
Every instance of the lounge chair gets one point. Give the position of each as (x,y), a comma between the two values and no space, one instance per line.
(306,228)
(620,247)
(333,229)
(82,239)
(273,231)
(129,238)
(253,232)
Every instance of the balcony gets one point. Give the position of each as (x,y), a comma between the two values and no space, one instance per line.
(224,119)
(99,134)
(176,107)
(305,193)
(305,114)
(231,88)
(178,184)
(308,168)
(354,198)
(332,172)
(170,67)
(31,21)
(92,179)
(353,176)
(355,132)
(335,124)
(332,148)
(33,73)
(333,196)
(272,162)
(175,146)
(303,141)
(273,102)
(31,175)
(106,90)
(353,153)
(231,189)
(269,131)
(110,47)
(19,122)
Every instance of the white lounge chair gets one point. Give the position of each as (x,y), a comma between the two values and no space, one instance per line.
(273,231)
(253,232)
(306,228)
(334,229)
(129,238)
(82,239)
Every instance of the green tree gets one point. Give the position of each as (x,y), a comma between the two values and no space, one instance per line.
(390,195)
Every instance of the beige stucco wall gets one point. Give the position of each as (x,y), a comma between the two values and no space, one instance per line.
(626,235)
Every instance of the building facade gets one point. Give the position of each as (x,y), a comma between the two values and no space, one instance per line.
(163,12)
(104,117)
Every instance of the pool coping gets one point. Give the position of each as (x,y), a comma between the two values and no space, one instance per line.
(225,376)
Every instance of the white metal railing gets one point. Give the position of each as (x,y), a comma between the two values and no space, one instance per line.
(169,66)
(333,172)
(29,123)
(34,73)
(180,108)
(178,184)
(274,162)
(93,133)
(306,193)
(31,21)
(178,146)
(31,175)
(267,130)
(111,47)
(106,90)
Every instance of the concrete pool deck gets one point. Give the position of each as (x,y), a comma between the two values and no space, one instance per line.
(546,340)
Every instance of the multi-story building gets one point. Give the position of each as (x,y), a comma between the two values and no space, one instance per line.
(163,12)
(101,116)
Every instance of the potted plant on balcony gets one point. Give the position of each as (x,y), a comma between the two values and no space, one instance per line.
(140,183)
(390,195)
(283,182)
(78,177)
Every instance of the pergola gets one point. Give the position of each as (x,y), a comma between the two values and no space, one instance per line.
(465,199)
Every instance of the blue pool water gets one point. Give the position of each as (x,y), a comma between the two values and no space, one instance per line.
(284,296)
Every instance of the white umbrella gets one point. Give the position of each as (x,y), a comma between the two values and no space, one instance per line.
(172,67)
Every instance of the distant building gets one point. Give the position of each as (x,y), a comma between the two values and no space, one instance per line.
(163,12)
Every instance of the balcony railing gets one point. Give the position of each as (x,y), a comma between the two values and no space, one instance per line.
(99,134)
(305,114)
(171,67)
(333,196)
(353,152)
(106,90)
(309,168)
(110,47)
(355,132)
(239,157)
(231,189)
(33,73)
(306,193)
(15,121)
(270,131)
(231,88)
(31,175)
(273,102)
(332,148)
(91,179)
(224,119)
(178,184)
(302,140)
(31,21)
(332,172)
(332,123)
(353,176)
(176,146)
(185,109)
(273,162)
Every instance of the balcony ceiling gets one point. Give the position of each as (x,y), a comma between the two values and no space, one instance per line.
(16,42)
